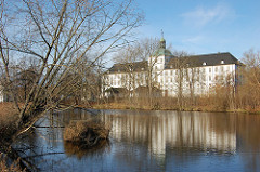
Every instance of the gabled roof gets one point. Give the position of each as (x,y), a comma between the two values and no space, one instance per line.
(204,60)
(136,66)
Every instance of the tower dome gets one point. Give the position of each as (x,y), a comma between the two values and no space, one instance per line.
(162,47)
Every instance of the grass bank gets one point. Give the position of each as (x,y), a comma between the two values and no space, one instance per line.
(207,108)
(9,130)
(8,118)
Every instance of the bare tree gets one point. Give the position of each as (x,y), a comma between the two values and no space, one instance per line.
(249,88)
(192,76)
(61,34)
(139,52)
(180,63)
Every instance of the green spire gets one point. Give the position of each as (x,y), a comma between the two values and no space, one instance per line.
(162,47)
(162,41)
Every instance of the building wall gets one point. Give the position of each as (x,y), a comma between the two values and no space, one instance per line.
(201,79)
(158,63)
(129,80)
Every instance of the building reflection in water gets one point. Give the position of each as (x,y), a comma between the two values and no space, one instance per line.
(207,132)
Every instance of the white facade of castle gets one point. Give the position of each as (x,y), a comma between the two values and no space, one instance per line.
(197,74)
(202,79)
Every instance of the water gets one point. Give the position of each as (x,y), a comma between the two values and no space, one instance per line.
(149,141)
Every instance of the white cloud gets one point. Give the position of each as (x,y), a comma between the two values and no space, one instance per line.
(203,16)
(194,40)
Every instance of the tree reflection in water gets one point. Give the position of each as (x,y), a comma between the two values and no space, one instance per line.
(153,141)
(80,151)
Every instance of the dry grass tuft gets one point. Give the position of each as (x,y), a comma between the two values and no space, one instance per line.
(87,133)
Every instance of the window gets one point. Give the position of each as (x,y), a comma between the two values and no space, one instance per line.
(209,78)
(123,78)
(209,69)
(228,68)
(216,69)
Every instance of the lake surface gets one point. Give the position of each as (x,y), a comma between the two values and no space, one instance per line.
(142,140)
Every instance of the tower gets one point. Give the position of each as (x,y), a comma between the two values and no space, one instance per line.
(161,56)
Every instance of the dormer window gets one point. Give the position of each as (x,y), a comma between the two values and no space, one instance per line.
(204,64)
(222,62)
(142,68)
(118,70)
(171,66)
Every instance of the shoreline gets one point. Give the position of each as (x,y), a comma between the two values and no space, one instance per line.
(198,108)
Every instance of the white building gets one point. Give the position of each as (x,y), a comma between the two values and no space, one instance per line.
(169,73)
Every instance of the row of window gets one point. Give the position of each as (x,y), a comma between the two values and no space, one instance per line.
(162,80)
(186,86)
(202,78)
(119,82)
(198,70)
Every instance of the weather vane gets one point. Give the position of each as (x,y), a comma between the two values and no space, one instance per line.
(162,33)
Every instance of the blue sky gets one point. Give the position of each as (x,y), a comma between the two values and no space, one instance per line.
(204,26)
